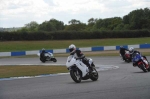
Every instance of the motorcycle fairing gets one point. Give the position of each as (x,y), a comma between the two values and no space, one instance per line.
(71,61)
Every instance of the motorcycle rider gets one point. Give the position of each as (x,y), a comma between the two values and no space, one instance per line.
(42,54)
(144,59)
(122,52)
(79,55)
(133,51)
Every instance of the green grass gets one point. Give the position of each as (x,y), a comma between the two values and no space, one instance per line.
(7,46)
(19,71)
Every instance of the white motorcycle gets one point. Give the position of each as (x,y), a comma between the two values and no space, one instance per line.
(79,71)
(47,57)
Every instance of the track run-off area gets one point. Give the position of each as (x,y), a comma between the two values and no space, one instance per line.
(117,80)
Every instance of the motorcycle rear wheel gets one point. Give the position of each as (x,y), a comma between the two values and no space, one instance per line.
(54,60)
(94,75)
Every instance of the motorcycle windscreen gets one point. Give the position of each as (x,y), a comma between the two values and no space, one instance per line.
(70,61)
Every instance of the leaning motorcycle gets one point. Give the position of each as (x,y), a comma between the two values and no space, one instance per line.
(138,61)
(47,57)
(79,71)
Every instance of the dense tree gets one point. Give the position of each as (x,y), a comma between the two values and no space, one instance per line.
(30,27)
(108,23)
(138,19)
(75,25)
(74,21)
(126,19)
(46,26)
(51,25)
(91,23)
(58,25)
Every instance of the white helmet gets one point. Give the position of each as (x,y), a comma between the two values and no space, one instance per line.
(131,49)
(43,49)
(72,48)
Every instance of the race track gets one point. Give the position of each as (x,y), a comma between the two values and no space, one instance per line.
(125,82)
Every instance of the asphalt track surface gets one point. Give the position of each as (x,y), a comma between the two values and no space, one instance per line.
(125,82)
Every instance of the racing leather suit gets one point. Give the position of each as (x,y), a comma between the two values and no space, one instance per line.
(79,55)
(42,55)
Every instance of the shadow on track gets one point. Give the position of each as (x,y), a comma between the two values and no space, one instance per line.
(86,81)
(140,72)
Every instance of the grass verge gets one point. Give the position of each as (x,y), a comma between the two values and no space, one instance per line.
(7,46)
(19,71)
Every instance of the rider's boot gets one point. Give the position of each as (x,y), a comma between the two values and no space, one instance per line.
(91,68)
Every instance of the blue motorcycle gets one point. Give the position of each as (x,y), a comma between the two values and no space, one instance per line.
(138,61)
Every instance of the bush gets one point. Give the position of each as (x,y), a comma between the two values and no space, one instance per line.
(67,35)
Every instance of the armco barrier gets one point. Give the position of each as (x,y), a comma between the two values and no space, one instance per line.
(97,48)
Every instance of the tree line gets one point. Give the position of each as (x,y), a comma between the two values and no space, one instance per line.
(135,20)
(69,35)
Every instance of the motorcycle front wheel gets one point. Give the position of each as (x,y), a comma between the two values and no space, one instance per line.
(75,76)
(143,67)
